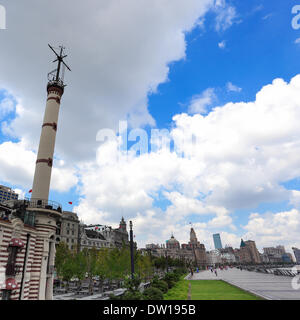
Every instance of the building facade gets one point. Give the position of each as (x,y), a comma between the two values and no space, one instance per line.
(172,243)
(7,193)
(193,251)
(213,257)
(100,236)
(248,252)
(27,250)
(68,230)
(198,249)
(275,254)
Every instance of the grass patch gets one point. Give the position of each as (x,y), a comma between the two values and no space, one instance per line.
(218,290)
(207,290)
(179,291)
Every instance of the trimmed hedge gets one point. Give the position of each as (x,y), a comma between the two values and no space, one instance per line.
(161,285)
(153,293)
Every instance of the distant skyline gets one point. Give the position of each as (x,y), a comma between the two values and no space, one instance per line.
(225,72)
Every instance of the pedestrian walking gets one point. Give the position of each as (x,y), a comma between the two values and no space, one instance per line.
(216,273)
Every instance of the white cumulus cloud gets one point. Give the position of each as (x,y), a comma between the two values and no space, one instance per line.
(241,155)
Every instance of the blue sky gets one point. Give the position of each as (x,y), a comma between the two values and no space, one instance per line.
(258,49)
(254,46)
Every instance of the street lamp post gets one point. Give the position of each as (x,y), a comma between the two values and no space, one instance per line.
(131,250)
(167,261)
(196,262)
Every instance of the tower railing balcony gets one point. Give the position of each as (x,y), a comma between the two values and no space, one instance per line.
(55,82)
(44,204)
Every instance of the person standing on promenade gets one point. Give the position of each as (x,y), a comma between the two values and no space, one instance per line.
(192,272)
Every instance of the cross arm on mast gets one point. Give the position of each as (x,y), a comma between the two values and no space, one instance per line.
(60,58)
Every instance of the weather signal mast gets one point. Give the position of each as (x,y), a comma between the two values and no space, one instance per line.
(44,162)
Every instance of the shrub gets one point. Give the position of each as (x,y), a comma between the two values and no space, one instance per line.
(171,279)
(132,284)
(132,295)
(171,284)
(153,293)
(113,297)
(161,285)
(181,271)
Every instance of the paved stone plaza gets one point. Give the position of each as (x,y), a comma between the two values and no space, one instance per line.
(268,286)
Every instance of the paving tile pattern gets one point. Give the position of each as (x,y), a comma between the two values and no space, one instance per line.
(268,286)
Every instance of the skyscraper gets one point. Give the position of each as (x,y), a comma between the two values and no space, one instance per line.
(217,241)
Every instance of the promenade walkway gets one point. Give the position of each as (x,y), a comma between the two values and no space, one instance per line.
(268,286)
(99,296)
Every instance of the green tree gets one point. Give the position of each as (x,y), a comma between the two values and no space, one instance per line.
(102,266)
(124,263)
(64,263)
(90,256)
(144,266)
(80,268)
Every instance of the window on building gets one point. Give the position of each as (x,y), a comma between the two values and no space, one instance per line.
(12,255)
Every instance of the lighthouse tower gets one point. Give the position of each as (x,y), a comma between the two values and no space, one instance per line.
(44,162)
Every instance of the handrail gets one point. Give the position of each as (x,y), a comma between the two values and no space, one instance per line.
(46,204)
